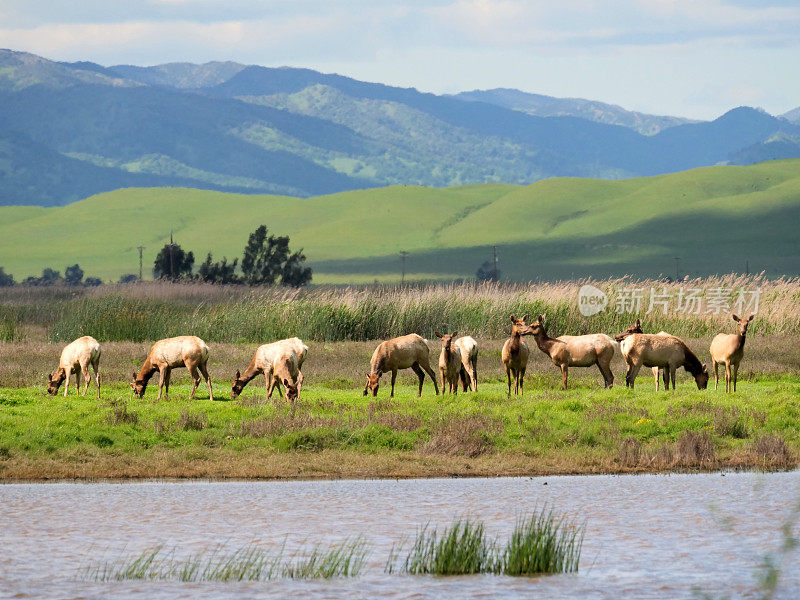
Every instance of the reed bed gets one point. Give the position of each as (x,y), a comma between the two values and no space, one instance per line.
(146,311)
(541,542)
(246,563)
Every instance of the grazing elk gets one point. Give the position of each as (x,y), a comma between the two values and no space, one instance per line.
(279,361)
(76,358)
(661,350)
(637,328)
(575,350)
(468,348)
(449,363)
(515,355)
(728,349)
(185,351)
(408,351)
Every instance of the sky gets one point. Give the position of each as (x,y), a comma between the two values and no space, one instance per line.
(694,59)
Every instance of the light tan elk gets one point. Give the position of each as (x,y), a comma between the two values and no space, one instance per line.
(637,328)
(185,351)
(279,361)
(449,363)
(728,349)
(515,355)
(468,348)
(408,351)
(575,350)
(661,350)
(76,358)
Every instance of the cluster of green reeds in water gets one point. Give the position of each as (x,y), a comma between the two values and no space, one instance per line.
(540,543)
(246,563)
(379,312)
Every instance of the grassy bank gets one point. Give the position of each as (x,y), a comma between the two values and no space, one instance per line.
(336,432)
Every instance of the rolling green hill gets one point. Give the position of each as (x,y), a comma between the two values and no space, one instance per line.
(714,219)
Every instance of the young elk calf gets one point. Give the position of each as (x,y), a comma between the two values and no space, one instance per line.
(449,363)
(468,348)
(575,350)
(665,351)
(408,351)
(76,358)
(280,362)
(515,355)
(185,351)
(728,349)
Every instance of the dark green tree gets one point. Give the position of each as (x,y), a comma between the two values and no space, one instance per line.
(92,281)
(6,279)
(487,272)
(129,278)
(173,263)
(218,272)
(73,275)
(267,259)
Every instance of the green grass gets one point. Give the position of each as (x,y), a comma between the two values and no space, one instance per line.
(246,563)
(585,429)
(714,218)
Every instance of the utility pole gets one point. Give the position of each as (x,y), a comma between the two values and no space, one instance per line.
(140,249)
(677,268)
(494,249)
(747,267)
(403,255)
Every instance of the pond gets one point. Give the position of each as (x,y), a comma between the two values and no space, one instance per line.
(647,536)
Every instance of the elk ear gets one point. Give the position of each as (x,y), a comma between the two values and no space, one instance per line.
(133,375)
(513,319)
(751,318)
(238,375)
(540,318)
(437,334)
(525,317)
(455,333)
(638,323)
(735,318)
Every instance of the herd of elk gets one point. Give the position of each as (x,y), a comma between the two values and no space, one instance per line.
(281,362)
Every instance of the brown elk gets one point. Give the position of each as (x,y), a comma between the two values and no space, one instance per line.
(575,350)
(185,351)
(728,349)
(468,348)
(661,350)
(515,355)
(276,363)
(76,358)
(637,328)
(449,363)
(408,351)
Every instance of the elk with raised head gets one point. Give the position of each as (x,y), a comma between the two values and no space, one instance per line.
(575,350)
(76,358)
(449,363)
(184,351)
(468,348)
(661,351)
(728,349)
(515,355)
(408,351)
(280,362)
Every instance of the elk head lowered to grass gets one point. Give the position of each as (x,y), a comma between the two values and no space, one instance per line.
(184,351)
(274,360)
(728,349)
(76,358)
(404,352)
(661,350)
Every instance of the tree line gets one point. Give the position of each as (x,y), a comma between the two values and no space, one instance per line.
(266,260)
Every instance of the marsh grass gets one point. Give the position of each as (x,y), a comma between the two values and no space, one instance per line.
(541,542)
(236,313)
(246,563)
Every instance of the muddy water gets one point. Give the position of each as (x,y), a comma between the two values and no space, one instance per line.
(679,536)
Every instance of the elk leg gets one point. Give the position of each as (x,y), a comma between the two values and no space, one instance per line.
(161,378)
(508,375)
(462,376)
(207,377)
(633,371)
(429,371)
(78,381)
(418,370)
(564,375)
(735,375)
(167,379)
(715,364)
(66,382)
(656,376)
(394,378)
(87,378)
(445,382)
(673,371)
(516,382)
(299,382)
(195,380)
(474,376)
(608,376)
(96,367)
(273,381)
